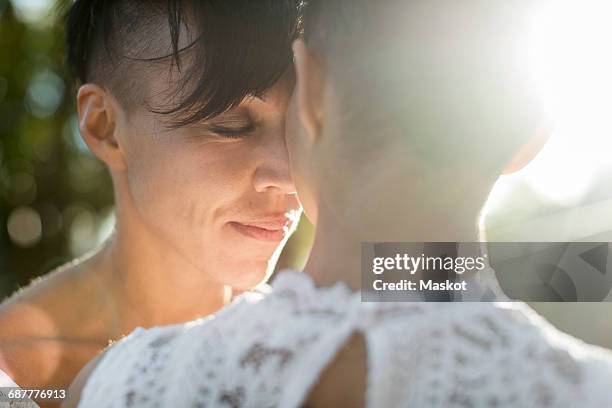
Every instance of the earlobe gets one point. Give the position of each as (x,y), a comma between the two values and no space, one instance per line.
(97,125)
(309,89)
(529,151)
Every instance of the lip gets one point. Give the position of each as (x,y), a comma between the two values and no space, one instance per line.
(269,230)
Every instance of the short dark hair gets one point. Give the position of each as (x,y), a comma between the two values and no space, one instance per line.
(239,48)
(438,74)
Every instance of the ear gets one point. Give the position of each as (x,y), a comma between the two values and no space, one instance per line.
(309,89)
(529,151)
(97,112)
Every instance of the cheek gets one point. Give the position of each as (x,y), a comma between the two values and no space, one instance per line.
(300,161)
(292,131)
(295,143)
(185,183)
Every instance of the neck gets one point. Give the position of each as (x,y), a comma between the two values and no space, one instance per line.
(336,252)
(149,282)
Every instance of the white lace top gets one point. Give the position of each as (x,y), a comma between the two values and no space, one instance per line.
(268,351)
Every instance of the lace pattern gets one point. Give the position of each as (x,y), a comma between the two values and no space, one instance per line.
(268,351)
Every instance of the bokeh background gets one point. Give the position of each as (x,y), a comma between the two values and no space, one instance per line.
(56,198)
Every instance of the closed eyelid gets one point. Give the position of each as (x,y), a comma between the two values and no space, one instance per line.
(234,123)
(239,116)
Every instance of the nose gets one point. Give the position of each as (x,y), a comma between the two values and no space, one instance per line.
(273,174)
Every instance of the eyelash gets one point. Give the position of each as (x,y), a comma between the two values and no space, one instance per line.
(233,133)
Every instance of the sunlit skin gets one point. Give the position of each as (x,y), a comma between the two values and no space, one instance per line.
(200,212)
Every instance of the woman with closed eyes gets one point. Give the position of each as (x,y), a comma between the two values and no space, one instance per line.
(185,102)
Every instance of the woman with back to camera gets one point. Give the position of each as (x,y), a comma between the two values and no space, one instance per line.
(184,101)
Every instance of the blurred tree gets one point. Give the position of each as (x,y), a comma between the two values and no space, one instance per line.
(54,196)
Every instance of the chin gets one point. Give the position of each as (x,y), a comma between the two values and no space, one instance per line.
(248,276)
(255,266)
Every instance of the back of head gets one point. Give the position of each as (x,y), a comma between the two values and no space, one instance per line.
(445,82)
(424,104)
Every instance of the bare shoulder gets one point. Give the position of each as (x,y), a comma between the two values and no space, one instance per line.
(35,323)
(34,308)
(46,287)
(343,383)
(27,321)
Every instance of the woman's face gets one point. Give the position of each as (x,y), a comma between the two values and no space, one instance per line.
(219,192)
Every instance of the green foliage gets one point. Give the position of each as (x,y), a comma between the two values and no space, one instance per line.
(53,194)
